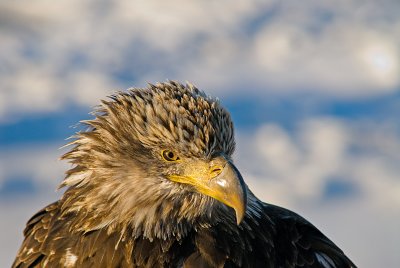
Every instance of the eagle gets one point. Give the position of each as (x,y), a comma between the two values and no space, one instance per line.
(152,183)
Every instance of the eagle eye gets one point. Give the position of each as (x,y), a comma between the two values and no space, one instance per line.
(169,156)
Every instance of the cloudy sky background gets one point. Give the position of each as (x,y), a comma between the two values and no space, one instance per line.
(313,88)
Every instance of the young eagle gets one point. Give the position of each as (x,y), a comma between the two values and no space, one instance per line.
(153,184)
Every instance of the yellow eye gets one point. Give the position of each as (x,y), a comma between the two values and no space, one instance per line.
(169,156)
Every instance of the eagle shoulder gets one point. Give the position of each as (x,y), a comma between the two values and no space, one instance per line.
(51,241)
(36,232)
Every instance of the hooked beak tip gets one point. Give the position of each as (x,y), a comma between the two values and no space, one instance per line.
(239,217)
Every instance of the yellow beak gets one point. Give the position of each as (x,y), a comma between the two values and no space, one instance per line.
(221,181)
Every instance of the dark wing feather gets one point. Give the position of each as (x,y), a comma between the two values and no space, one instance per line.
(300,244)
(49,242)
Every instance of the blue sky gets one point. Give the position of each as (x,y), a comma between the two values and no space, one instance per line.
(313,88)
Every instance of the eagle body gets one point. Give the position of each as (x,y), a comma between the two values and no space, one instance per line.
(153,184)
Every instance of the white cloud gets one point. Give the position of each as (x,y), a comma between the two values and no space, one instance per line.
(322,149)
(382,61)
(38,162)
(298,163)
(341,49)
(341,60)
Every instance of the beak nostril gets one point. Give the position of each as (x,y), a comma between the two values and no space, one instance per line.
(215,171)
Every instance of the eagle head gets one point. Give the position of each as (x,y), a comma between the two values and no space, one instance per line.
(157,161)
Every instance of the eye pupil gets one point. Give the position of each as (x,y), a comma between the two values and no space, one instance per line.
(169,156)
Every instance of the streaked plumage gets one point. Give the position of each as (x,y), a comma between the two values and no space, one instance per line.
(153,185)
